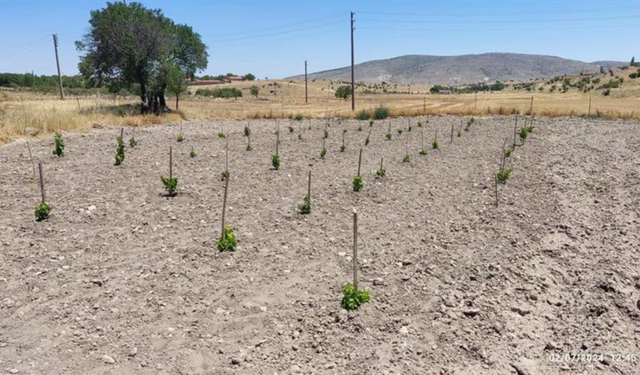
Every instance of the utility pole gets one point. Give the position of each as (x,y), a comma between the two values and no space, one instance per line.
(306,91)
(353,83)
(55,44)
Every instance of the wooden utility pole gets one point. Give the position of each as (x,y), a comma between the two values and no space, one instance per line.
(55,45)
(306,90)
(353,82)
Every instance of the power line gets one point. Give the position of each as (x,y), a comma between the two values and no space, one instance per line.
(511,13)
(278,33)
(503,21)
(485,29)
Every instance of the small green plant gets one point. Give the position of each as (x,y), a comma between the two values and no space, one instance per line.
(358,184)
(399,131)
(370,123)
(381,172)
(360,128)
(298,117)
(180,138)
(119,151)
(363,115)
(59,147)
(406,159)
(590,184)
(352,298)
(299,136)
(503,175)
(366,141)
(342,148)
(389,136)
(228,241)
(409,129)
(275,161)
(423,152)
(224,175)
(305,208)
(170,184)
(523,134)
(381,113)
(132,142)
(291,129)
(508,152)
(221,135)
(42,211)
(435,144)
(419,124)
(459,134)
(192,154)
(323,153)
(344,131)
(247,132)
(326,134)
(249,148)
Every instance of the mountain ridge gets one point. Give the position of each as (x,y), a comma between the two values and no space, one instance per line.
(462,69)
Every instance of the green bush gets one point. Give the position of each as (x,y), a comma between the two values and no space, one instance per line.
(503,175)
(170,184)
(119,151)
(381,113)
(363,114)
(226,92)
(358,184)
(343,92)
(59,145)
(523,133)
(352,298)
(305,207)
(275,161)
(42,211)
(228,241)
(249,148)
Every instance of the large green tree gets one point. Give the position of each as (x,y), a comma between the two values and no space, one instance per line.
(130,46)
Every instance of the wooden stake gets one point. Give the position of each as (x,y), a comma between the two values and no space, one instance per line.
(343,140)
(277,138)
(496,188)
(224,204)
(33,166)
(122,133)
(226,155)
(381,161)
(170,162)
(355,249)
(359,162)
(309,186)
(531,107)
(41,183)
(515,127)
(451,133)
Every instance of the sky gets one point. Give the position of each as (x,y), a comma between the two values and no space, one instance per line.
(273,38)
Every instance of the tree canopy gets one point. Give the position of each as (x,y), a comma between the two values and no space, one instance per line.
(130,46)
(343,92)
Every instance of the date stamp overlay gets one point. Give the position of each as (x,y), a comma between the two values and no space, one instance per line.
(592,357)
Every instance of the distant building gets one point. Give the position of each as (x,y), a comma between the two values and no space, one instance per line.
(588,73)
(444,92)
(202,82)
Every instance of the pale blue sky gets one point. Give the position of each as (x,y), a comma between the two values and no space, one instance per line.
(273,38)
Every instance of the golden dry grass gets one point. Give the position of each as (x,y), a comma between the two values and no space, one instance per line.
(27,114)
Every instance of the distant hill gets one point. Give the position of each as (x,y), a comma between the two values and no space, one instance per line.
(464,69)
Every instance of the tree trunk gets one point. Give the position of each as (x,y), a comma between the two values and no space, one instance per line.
(177,101)
(144,98)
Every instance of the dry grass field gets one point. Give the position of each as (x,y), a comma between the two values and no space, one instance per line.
(29,114)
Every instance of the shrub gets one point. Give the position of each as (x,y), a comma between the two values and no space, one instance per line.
(170,184)
(275,161)
(59,145)
(298,117)
(254,90)
(358,184)
(503,175)
(247,131)
(180,138)
(132,142)
(381,172)
(119,151)
(226,92)
(228,241)
(381,113)
(363,114)
(305,208)
(406,159)
(343,92)
(459,134)
(352,298)
(42,211)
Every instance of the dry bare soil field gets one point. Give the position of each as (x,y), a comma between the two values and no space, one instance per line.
(122,279)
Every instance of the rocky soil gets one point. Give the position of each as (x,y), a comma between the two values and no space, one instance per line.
(122,279)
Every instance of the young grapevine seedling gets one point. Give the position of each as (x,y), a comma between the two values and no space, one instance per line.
(299,136)
(228,241)
(323,153)
(180,138)
(59,147)
(132,142)
(221,135)
(399,131)
(275,161)
(42,211)
(119,151)
(305,208)
(291,129)
(192,154)
(360,128)
(247,131)
(358,184)
(370,123)
(406,159)
(352,298)
(503,175)
(170,184)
